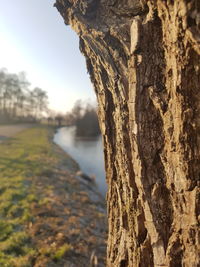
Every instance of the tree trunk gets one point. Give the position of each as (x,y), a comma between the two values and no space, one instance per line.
(143,58)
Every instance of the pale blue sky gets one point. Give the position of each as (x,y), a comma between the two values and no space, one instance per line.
(34,39)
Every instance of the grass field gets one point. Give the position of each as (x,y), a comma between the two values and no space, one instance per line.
(22,158)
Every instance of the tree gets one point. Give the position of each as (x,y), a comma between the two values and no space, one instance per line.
(69,118)
(77,111)
(84,116)
(17,101)
(49,120)
(143,58)
(2,83)
(88,124)
(59,118)
(39,100)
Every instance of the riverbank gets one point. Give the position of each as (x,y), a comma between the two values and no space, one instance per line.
(48,216)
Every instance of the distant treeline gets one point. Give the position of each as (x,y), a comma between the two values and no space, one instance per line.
(85,119)
(83,116)
(17,101)
(20,103)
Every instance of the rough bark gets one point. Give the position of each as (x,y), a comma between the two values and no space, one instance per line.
(143,58)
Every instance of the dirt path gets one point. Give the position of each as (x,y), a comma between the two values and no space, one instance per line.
(11,130)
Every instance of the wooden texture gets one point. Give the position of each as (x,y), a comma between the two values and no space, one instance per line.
(143,58)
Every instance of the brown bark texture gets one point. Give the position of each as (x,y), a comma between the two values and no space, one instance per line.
(143,57)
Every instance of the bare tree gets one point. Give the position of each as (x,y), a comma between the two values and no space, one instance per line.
(59,118)
(16,98)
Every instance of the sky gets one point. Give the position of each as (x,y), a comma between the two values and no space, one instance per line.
(34,39)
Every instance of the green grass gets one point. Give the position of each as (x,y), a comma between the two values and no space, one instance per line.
(61,252)
(22,158)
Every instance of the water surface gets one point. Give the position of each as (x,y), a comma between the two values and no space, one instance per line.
(88,152)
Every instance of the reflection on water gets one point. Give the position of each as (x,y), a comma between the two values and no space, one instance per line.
(87,152)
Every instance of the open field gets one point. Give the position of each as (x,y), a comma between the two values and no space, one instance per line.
(47,217)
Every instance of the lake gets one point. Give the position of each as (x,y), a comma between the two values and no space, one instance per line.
(87,152)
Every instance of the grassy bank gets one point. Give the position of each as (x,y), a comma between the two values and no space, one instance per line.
(41,204)
(22,158)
